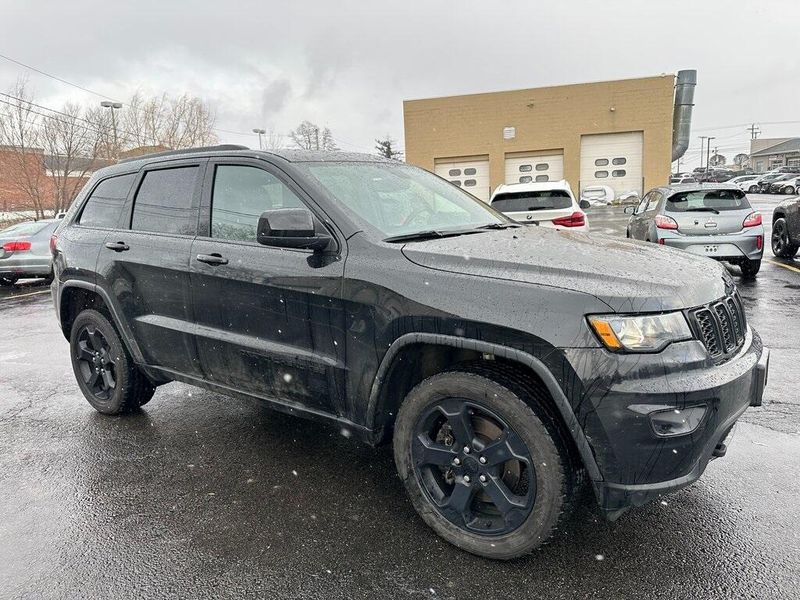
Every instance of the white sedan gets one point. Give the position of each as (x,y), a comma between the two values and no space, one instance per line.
(744,182)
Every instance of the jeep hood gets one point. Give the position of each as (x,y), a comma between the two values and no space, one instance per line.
(629,276)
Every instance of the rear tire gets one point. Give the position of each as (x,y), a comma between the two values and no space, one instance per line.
(104,370)
(782,246)
(788,190)
(750,267)
(753,189)
(483,403)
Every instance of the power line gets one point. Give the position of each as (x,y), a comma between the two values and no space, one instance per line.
(75,85)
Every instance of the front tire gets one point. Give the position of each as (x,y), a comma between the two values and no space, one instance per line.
(750,267)
(782,246)
(482,462)
(106,374)
(753,189)
(788,190)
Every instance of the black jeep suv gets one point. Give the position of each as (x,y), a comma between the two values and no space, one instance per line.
(510,365)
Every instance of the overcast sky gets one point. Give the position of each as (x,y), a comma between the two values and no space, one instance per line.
(349,65)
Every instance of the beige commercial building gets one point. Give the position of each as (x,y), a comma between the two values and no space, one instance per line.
(615,133)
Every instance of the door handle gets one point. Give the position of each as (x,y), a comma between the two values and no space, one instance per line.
(117,246)
(212,259)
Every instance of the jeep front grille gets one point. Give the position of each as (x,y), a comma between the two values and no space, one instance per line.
(721,326)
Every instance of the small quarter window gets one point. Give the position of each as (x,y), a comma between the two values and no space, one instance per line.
(618,161)
(470,171)
(469,182)
(454,172)
(601,162)
(600,174)
(618,173)
(542,167)
(525,179)
(525,168)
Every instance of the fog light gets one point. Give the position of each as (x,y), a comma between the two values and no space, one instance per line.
(677,421)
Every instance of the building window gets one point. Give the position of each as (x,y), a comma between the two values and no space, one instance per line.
(454,172)
(469,182)
(456,182)
(542,167)
(619,161)
(793,162)
(525,179)
(618,173)
(600,174)
(525,168)
(601,162)
(470,171)
(543,178)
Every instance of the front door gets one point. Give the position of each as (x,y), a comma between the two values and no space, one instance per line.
(269,320)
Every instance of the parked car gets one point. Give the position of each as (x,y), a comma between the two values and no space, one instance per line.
(597,195)
(717,222)
(765,181)
(787,185)
(744,182)
(547,203)
(508,365)
(786,228)
(682,179)
(25,251)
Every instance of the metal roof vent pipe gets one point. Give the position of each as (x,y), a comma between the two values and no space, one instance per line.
(682,112)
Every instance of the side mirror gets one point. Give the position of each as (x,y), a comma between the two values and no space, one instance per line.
(290,228)
(584,203)
(629,210)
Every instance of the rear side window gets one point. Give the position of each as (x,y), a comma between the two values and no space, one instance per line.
(166,202)
(241,194)
(707,200)
(525,201)
(104,206)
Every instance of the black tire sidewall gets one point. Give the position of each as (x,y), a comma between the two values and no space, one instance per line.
(122,365)
(548,463)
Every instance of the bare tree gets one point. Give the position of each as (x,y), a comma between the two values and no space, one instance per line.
(273,140)
(387,147)
(741,160)
(308,136)
(22,155)
(717,160)
(181,122)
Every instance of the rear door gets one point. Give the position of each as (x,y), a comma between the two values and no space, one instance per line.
(269,320)
(144,263)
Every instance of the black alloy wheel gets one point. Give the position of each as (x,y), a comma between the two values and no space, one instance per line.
(473,467)
(95,362)
(782,246)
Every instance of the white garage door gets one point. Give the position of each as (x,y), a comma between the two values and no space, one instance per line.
(470,174)
(528,168)
(612,159)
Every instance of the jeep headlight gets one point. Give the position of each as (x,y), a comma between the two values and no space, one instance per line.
(640,333)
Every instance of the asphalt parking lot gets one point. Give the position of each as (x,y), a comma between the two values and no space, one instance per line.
(201,496)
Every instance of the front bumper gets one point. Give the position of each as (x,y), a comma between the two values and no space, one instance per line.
(637,465)
(723,246)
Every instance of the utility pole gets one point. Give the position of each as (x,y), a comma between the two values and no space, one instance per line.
(702,147)
(754,131)
(708,151)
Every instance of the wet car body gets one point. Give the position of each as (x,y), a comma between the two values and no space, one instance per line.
(25,250)
(343,334)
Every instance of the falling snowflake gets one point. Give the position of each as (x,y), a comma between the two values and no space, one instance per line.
(599,557)
(287,377)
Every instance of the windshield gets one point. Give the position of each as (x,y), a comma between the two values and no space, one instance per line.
(717,200)
(399,199)
(525,201)
(25,229)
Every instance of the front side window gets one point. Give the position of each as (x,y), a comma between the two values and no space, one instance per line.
(104,206)
(707,200)
(653,203)
(400,199)
(241,193)
(166,202)
(529,201)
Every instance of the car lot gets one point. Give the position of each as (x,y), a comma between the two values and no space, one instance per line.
(203,496)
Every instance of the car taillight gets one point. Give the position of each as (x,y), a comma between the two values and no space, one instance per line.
(576,219)
(16,246)
(53,240)
(751,220)
(665,222)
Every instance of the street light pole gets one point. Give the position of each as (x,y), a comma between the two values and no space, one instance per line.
(708,152)
(702,148)
(260,132)
(112,106)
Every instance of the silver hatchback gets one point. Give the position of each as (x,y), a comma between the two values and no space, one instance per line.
(716,221)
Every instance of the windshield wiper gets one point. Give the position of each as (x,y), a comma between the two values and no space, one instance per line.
(499,226)
(703,209)
(427,235)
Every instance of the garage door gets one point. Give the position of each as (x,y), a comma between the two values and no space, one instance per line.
(612,159)
(470,174)
(526,168)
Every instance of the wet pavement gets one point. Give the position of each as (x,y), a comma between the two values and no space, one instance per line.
(201,496)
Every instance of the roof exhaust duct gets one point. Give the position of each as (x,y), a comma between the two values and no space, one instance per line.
(682,112)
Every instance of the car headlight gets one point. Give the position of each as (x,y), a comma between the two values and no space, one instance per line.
(640,333)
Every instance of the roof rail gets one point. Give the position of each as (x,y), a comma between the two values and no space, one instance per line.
(218,148)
